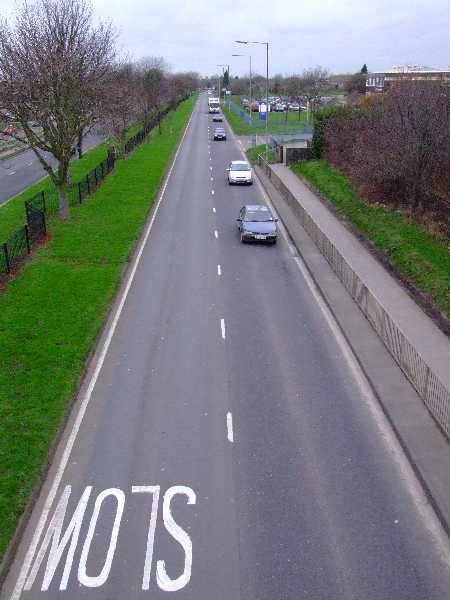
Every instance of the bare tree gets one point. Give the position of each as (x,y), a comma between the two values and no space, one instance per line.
(312,85)
(53,62)
(153,87)
(120,105)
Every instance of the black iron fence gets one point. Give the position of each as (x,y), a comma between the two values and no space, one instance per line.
(22,242)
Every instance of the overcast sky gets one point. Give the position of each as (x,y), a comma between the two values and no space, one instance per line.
(340,35)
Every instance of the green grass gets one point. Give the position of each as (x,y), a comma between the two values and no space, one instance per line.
(421,257)
(252,154)
(52,312)
(277,122)
(12,214)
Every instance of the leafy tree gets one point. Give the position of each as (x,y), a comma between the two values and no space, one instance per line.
(226,79)
(364,68)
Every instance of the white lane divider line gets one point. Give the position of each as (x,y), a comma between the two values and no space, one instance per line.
(214,209)
(216,234)
(222,328)
(212,178)
(219,270)
(212,192)
(230,434)
(210,168)
(12,173)
(20,582)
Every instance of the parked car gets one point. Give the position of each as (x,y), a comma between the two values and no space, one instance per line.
(257,224)
(10,130)
(294,106)
(239,171)
(245,102)
(217,118)
(280,107)
(220,133)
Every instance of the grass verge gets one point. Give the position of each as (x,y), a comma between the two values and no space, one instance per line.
(252,154)
(52,312)
(409,246)
(12,214)
(277,122)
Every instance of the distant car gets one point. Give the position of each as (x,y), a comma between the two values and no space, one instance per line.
(257,224)
(217,118)
(280,107)
(294,106)
(240,171)
(11,130)
(220,133)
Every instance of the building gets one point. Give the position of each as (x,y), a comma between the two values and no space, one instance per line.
(378,82)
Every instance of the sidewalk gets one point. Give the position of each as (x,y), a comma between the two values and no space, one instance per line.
(431,343)
(422,441)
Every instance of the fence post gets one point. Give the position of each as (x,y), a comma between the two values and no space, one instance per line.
(79,192)
(27,238)
(88,184)
(43,200)
(5,251)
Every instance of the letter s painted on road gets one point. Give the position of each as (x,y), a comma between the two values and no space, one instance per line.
(163,580)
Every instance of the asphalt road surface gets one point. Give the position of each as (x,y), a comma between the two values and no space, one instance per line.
(20,171)
(225,446)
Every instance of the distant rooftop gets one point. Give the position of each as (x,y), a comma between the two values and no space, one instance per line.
(412,69)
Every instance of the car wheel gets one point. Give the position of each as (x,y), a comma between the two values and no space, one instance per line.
(274,241)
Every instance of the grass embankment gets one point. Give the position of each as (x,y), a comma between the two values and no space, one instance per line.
(252,154)
(52,312)
(12,214)
(420,256)
(277,122)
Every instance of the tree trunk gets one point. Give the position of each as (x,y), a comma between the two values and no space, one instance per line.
(64,211)
(80,145)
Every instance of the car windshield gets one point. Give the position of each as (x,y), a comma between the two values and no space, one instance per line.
(258,215)
(240,167)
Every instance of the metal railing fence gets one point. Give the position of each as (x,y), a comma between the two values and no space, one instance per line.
(427,384)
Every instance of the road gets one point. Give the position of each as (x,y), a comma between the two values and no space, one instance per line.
(20,171)
(225,445)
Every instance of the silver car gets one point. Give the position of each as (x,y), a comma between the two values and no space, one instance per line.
(240,171)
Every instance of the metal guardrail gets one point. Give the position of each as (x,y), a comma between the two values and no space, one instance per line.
(427,384)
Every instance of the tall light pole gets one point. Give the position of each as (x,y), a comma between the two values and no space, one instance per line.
(250,57)
(219,79)
(266,44)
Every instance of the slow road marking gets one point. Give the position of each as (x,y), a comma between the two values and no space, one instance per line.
(222,328)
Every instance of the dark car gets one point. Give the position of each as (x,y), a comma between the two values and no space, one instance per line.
(257,224)
(220,133)
(217,118)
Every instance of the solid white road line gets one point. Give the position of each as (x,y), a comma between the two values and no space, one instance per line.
(222,328)
(216,234)
(230,435)
(87,397)
(219,270)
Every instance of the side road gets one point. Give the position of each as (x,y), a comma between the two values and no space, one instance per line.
(419,435)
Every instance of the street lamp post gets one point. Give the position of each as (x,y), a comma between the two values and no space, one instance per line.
(250,57)
(266,44)
(219,78)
